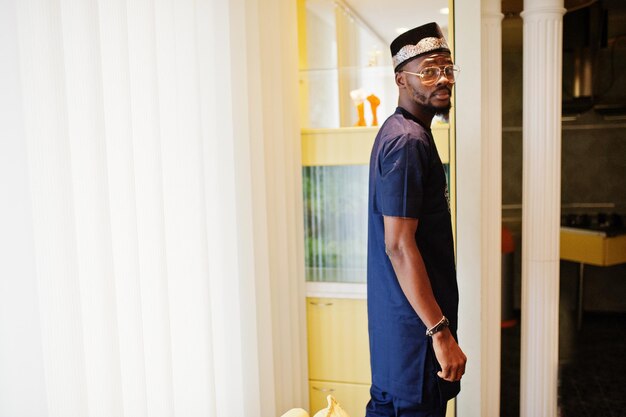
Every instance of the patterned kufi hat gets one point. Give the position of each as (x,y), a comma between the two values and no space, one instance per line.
(417,42)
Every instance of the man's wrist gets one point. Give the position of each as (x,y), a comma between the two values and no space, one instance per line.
(444,323)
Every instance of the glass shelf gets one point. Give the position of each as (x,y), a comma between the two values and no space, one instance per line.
(327,95)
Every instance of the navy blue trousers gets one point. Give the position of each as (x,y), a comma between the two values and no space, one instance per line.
(382,404)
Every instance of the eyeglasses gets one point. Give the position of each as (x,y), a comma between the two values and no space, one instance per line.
(430,75)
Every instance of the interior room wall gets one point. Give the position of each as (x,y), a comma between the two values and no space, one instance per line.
(593,166)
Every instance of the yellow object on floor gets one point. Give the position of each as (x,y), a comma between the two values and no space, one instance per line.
(296,412)
(333,410)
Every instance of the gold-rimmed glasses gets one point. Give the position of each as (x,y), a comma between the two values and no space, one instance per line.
(430,75)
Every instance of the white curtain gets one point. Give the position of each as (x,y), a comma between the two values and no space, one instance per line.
(155,278)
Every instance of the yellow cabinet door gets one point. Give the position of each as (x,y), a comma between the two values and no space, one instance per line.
(337,340)
(352,397)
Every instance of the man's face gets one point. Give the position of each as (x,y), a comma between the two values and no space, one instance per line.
(435,97)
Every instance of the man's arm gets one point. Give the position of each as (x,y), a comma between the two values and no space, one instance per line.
(409,267)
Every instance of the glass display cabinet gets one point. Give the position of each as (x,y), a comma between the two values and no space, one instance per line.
(347,87)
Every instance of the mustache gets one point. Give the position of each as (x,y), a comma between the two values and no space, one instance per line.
(446,89)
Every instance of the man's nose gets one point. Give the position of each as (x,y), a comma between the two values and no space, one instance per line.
(443,79)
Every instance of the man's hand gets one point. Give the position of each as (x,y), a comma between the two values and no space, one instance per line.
(449,355)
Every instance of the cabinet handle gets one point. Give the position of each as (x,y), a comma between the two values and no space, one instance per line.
(315,303)
(324,389)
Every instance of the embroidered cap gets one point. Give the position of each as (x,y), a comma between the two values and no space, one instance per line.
(417,42)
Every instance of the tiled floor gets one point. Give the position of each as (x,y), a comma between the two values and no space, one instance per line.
(592,372)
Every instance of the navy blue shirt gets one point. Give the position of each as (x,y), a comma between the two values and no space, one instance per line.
(407,179)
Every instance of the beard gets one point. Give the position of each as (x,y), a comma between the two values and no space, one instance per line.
(439,110)
(427,104)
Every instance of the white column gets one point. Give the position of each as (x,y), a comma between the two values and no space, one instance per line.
(491,202)
(479,165)
(468,103)
(543,33)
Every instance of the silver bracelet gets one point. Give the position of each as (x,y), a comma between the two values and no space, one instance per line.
(443,323)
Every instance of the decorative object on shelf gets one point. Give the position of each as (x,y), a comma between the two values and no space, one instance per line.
(358,98)
(374,103)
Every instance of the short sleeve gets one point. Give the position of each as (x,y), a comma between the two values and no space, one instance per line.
(400,180)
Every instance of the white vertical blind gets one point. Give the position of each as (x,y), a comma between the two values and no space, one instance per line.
(118,127)
(281,133)
(160,146)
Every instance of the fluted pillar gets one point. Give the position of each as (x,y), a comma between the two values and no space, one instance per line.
(491,201)
(543,33)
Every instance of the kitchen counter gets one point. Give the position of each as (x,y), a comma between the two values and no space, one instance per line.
(591,247)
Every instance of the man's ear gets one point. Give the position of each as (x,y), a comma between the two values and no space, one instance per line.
(400,79)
